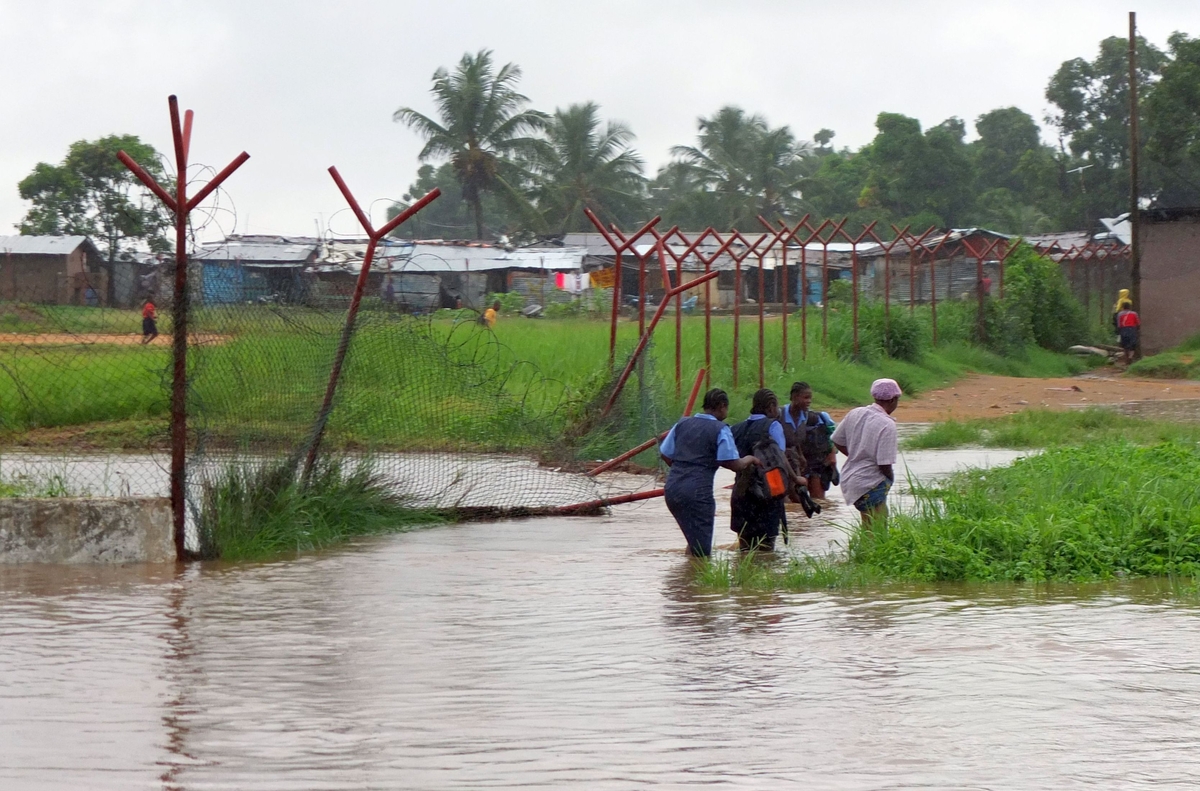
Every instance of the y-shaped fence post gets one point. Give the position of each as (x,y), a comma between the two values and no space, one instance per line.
(181,206)
(373,237)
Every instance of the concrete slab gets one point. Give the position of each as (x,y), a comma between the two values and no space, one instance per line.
(86,530)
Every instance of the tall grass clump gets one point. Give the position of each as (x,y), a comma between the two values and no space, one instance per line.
(251,513)
(1105,510)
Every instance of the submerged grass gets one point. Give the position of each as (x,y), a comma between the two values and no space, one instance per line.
(254,513)
(1106,510)
(1042,428)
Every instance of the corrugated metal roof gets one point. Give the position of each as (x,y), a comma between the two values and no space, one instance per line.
(41,245)
(279,250)
(434,257)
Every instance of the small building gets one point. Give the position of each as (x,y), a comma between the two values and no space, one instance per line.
(245,268)
(1170,253)
(434,273)
(58,270)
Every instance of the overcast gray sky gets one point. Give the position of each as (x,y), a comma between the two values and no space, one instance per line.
(302,85)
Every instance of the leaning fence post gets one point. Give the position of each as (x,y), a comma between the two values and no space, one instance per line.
(373,237)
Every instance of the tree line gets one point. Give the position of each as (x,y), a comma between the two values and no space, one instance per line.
(508,169)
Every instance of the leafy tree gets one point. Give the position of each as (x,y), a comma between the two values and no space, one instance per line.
(1172,110)
(90,193)
(1092,101)
(484,129)
(1005,135)
(584,165)
(919,177)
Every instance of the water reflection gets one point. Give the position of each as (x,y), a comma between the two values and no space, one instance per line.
(546,653)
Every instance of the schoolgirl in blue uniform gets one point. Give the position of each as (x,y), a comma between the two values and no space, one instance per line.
(694,448)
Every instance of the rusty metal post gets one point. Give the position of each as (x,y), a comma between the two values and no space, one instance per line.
(804,301)
(762,287)
(617,248)
(644,340)
(642,293)
(616,307)
(179,340)
(707,324)
(335,372)
(181,206)
(783,297)
(737,313)
(854,242)
(650,443)
(678,326)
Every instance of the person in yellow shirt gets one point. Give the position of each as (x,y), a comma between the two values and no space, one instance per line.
(489,315)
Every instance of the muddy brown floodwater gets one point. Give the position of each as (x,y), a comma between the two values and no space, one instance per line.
(577,652)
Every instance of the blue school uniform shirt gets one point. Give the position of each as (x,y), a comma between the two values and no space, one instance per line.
(776,431)
(803,418)
(726,447)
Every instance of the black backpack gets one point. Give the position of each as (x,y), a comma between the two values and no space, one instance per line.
(815,439)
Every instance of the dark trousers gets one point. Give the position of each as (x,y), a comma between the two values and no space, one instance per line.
(693,506)
(756,523)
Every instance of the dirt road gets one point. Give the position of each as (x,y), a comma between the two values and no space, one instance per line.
(991,396)
(95,339)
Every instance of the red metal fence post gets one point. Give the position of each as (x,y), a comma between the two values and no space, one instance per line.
(335,372)
(181,206)
(618,248)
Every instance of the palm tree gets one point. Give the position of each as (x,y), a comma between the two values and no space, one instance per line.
(584,165)
(751,168)
(484,128)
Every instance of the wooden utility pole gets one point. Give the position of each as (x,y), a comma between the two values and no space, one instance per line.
(1135,256)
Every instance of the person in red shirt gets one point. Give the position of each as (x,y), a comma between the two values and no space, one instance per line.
(1128,323)
(149,323)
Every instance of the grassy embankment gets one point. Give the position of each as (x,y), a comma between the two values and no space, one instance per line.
(1040,428)
(1181,362)
(441,385)
(1105,510)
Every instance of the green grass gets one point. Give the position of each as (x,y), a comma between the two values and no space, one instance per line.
(1181,362)
(441,385)
(1105,510)
(264,512)
(1040,428)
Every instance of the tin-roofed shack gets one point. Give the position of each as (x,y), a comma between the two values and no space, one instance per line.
(430,274)
(59,270)
(246,268)
(1170,252)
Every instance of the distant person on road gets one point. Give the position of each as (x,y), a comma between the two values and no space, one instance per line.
(149,322)
(694,448)
(489,315)
(757,520)
(867,437)
(808,434)
(1128,323)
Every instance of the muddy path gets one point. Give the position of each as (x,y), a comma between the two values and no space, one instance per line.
(979,396)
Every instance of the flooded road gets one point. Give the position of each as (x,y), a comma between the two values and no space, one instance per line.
(547,653)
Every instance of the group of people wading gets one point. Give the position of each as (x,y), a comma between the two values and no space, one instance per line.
(778,455)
